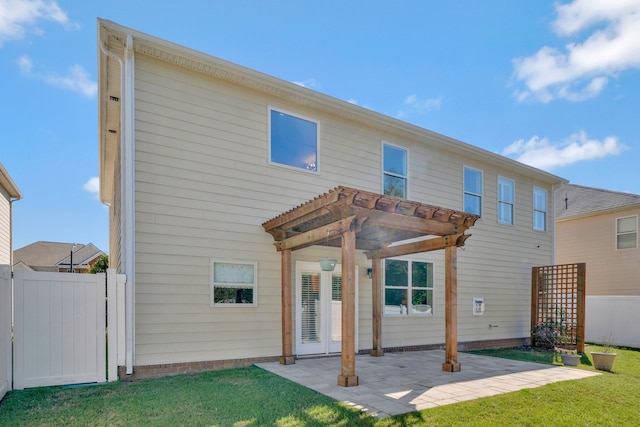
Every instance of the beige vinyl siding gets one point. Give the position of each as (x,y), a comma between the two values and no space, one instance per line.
(204,187)
(5,227)
(592,239)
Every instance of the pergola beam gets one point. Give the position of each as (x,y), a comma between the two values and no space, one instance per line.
(409,223)
(428,245)
(315,236)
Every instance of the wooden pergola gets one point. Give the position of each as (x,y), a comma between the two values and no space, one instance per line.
(379,225)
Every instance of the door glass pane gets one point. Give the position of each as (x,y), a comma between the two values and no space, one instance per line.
(310,296)
(336,308)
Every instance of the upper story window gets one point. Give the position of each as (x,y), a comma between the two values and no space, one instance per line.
(408,287)
(233,283)
(394,165)
(539,209)
(627,232)
(506,190)
(293,141)
(472,202)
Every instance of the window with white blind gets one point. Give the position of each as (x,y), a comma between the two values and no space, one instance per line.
(539,209)
(506,200)
(233,283)
(627,232)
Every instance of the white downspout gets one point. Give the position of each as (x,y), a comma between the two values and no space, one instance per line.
(128,195)
(127,191)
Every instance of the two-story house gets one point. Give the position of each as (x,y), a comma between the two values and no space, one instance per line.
(226,186)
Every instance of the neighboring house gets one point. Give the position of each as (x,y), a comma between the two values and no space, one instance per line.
(9,193)
(600,228)
(56,257)
(198,157)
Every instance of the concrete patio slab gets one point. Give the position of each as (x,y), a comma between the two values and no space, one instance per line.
(404,382)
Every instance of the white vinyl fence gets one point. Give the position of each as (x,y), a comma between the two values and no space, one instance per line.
(5,330)
(613,319)
(60,334)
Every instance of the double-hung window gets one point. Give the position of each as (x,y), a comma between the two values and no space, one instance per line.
(472,202)
(627,232)
(539,209)
(506,190)
(394,165)
(233,283)
(408,287)
(293,141)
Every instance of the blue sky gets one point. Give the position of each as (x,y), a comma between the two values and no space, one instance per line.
(555,84)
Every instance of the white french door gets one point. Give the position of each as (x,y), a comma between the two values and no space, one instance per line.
(318,309)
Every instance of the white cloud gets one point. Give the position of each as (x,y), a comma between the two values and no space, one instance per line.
(582,69)
(414,105)
(93,186)
(544,154)
(76,80)
(17,17)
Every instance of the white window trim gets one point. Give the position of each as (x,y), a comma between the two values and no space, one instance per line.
(406,177)
(299,116)
(213,284)
(481,195)
(409,288)
(513,205)
(618,233)
(534,210)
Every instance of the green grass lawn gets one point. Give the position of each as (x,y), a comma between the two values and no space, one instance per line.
(253,397)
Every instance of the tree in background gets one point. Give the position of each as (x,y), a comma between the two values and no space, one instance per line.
(100,265)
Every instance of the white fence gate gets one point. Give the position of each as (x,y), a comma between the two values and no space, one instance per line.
(60,328)
(5,330)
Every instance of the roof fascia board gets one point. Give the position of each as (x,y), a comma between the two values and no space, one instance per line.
(7,183)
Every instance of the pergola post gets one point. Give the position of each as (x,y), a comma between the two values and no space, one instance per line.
(376,298)
(451,309)
(287,320)
(348,377)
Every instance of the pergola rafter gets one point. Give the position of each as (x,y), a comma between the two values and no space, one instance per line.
(382,226)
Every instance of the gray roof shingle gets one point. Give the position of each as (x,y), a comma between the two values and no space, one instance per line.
(572,200)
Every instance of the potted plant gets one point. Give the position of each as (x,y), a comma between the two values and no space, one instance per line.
(603,360)
(570,358)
